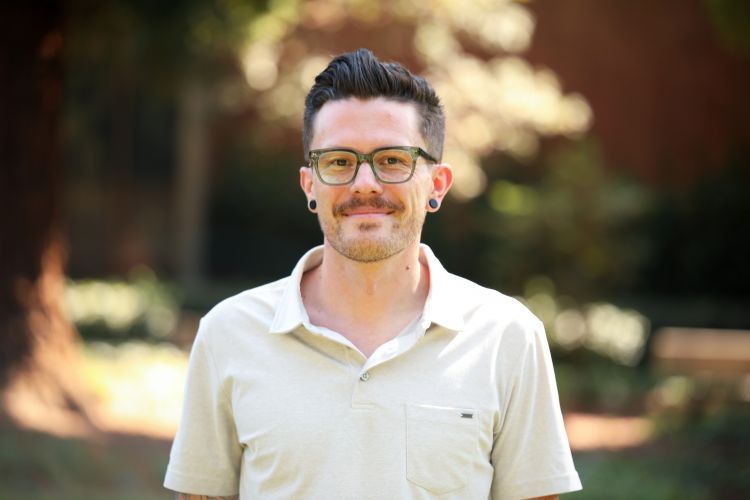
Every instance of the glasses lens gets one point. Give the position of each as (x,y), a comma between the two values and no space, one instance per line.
(337,167)
(393,165)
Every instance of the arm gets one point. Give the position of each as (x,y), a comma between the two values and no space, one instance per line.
(206,454)
(530,454)
(188,496)
(549,497)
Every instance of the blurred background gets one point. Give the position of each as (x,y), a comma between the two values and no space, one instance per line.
(150,169)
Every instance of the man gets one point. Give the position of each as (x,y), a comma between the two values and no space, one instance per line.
(371,372)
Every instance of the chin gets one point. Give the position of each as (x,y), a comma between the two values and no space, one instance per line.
(367,250)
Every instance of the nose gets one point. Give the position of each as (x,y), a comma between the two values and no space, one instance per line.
(365,181)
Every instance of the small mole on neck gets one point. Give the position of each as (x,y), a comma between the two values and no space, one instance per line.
(408,267)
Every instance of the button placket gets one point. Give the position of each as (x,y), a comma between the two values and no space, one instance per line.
(362,391)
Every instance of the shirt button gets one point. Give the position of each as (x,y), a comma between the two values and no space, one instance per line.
(365,377)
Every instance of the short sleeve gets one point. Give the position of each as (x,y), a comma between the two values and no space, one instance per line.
(206,454)
(531,454)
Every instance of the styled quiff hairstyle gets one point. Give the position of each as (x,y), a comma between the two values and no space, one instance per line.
(360,74)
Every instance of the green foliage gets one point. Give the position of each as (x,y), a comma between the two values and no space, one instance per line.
(699,446)
(575,222)
(116,310)
(732,20)
(614,332)
(646,475)
(589,382)
(714,444)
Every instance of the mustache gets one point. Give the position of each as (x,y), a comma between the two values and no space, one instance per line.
(378,202)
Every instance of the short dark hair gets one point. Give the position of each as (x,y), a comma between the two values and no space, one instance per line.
(360,74)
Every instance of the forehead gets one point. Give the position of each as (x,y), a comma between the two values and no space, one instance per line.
(365,124)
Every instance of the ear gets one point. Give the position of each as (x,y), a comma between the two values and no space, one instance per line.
(442,180)
(306,182)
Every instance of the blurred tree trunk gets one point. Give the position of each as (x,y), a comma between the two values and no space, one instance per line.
(38,368)
(191,183)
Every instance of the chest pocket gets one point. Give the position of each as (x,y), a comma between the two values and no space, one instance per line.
(441,446)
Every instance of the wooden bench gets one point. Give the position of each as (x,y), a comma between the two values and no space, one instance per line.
(698,350)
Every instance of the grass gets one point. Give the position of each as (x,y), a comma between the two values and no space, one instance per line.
(644,474)
(698,455)
(36,466)
(139,391)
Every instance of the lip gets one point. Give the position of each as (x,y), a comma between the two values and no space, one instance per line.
(367,213)
(367,208)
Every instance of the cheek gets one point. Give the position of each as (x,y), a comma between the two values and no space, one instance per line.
(418,199)
(326,198)
(415,202)
(420,195)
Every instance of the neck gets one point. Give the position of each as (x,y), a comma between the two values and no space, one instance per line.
(352,291)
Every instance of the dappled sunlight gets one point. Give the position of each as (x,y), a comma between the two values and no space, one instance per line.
(472,180)
(38,407)
(593,432)
(500,103)
(503,104)
(501,25)
(134,388)
(121,306)
(672,393)
(259,62)
(617,333)
(513,199)
(138,386)
(631,230)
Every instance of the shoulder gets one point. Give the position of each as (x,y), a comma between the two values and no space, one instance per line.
(472,302)
(489,304)
(499,319)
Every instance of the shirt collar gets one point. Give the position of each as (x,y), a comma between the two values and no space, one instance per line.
(443,305)
(440,307)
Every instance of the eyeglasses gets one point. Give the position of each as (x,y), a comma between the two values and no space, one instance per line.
(391,165)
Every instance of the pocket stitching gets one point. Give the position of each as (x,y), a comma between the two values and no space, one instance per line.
(443,424)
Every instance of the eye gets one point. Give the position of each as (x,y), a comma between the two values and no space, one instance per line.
(337,160)
(393,159)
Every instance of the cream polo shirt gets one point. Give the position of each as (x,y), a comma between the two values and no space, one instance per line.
(461,405)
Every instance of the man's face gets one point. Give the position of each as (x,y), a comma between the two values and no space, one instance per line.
(367,221)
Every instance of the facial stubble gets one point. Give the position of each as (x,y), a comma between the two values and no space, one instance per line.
(364,248)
